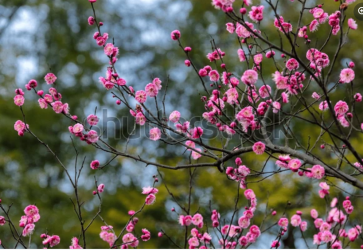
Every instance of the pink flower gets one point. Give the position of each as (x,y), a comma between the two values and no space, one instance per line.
(243,241)
(283,222)
(196,155)
(224,229)
(151,90)
(92,136)
(128,238)
(341,108)
(317,12)
(347,75)
(256,13)
(249,194)
(232,96)
(275,244)
(265,91)
(257,59)
(292,64)
(31,210)
(48,98)
(149,190)
(188,220)
(215,55)
(50,78)
(21,92)
(100,188)
(324,186)
(280,81)
(255,230)
(352,24)
(91,20)
(314,25)
(75,244)
(92,120)
(95,164)
(23,221)
(203,72)
(258,148)
(318,172)
(206,238)
(146,234)
(157,83)
(78,128)
(197,132)
(140,119)
(302,31)
(243,222)
(52,240)
(353,234)
(19,100)
(193,241)
(175,35)
(20,127)
(324,227)
(155,134)
(214,75)
(295,220)
(101,40)
(285,97)
(294,164)
(276,107)
(334,202)
(323,105)
(140,96)
(28,230)
(241,55)
(230,27)
(121,82)
(270,54)
(303,226)
(57,107)
(65,108)
(249,77)
(326,236)
(174,116)
(150,199)
(242,31)
(109,49)
(337,245)
(358,97)
(315,95)
(32,84)
(198,220)
(2,221)
(42,103)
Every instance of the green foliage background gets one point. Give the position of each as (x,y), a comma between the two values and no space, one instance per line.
(38,36)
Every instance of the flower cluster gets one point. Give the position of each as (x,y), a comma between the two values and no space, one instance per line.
(50,240)
(27,221)
(107,235)
(234,232)
(216,55)
(150,192)
(75,244)
(78,130)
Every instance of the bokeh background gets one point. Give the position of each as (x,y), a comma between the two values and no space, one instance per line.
(39,36)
